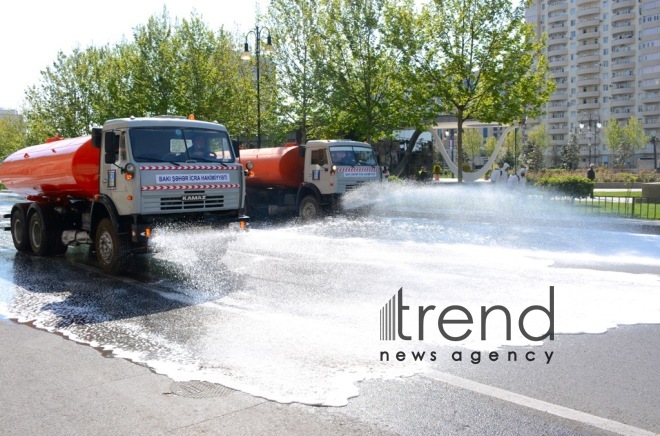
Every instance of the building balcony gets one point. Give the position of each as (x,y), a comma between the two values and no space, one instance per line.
(590,82)
(586,3)
(652,123)
(592,10)
(589,59)
(584,69)
(589,22)
(587,47)
(622,91)
(627,39)
(559,74)
(558,108)
(622,102)
(557,6)
(558,95)
(652,110)
(623,3)
(590,94)
(587,106)
(651,97)
(558,51)
(623,16)
(623,52)
(557,17)
(587,33)
(623,64)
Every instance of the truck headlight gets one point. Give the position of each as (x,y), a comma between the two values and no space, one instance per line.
(129,171)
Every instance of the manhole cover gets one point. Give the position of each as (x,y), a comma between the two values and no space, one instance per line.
(199,389)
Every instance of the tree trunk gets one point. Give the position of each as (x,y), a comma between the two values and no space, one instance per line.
(401,166)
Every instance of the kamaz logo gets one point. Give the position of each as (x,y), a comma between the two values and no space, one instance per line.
(193,197)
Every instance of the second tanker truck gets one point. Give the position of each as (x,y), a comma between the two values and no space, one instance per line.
(305,180)
(111,189)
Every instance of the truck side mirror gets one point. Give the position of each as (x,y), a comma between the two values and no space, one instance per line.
(301,151)
(97,135)
(236,147)
(111,146)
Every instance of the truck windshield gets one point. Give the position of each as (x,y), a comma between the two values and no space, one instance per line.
(171,144)
(353,156)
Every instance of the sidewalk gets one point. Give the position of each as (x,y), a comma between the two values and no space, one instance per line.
(51,385)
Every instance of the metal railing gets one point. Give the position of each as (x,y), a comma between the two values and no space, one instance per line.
(629,207)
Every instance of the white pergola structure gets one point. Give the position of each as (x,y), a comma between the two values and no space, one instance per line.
(469,124)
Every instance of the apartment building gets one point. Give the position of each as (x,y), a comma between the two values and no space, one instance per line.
(604,56)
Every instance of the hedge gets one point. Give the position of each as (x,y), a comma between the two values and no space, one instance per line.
(572,186)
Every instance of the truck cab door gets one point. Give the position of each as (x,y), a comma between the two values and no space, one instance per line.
(113,180)
(318,170)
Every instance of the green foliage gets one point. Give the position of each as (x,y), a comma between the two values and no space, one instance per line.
(570,153)
(437,169)
(298,46)
(482,60)
(472,141)
(533,149)
(572,186)
(12,134)
(624,140)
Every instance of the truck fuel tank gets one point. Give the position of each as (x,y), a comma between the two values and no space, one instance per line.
(57,169)
(278,166)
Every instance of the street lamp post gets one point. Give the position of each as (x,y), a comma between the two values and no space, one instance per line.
(655,155)
(450,134)
(246,56)
(589,121)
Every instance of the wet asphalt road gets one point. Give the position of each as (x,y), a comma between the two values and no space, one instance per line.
(52,385)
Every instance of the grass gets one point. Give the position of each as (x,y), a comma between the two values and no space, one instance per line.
(637,193)
(613,204)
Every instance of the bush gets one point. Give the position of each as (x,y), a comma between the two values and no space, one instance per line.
(572,186)
(437,169)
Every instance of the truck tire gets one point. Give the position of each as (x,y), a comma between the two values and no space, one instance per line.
(41,240)
(309,208)
(112,250)
(20,228)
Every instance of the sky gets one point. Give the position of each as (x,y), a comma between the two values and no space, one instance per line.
(33,32)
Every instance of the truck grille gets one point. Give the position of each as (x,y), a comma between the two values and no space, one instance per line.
(354,186)
(178,202)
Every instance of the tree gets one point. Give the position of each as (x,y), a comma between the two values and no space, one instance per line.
(481,60)
(297,45)
(570,153)
(615,139)
(473,144)
(490,145)
(537,143)
(66,102)
(369,90)
(12,134)
(634,137)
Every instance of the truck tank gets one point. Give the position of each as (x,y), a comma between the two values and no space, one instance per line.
(57,169)
(279,166)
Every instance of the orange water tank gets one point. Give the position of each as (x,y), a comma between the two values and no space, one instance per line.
(279,166)
(56,169)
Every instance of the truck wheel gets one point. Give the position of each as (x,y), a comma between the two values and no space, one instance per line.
(309,208)
(112,250)
(40,238)
(20,227)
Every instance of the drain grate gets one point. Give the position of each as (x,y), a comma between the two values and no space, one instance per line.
(199,389)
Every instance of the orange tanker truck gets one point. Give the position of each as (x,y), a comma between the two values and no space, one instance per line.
(110,189)
(306,179)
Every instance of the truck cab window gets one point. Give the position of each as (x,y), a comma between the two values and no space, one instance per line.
(319,157)
(123,152)
(180,145)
